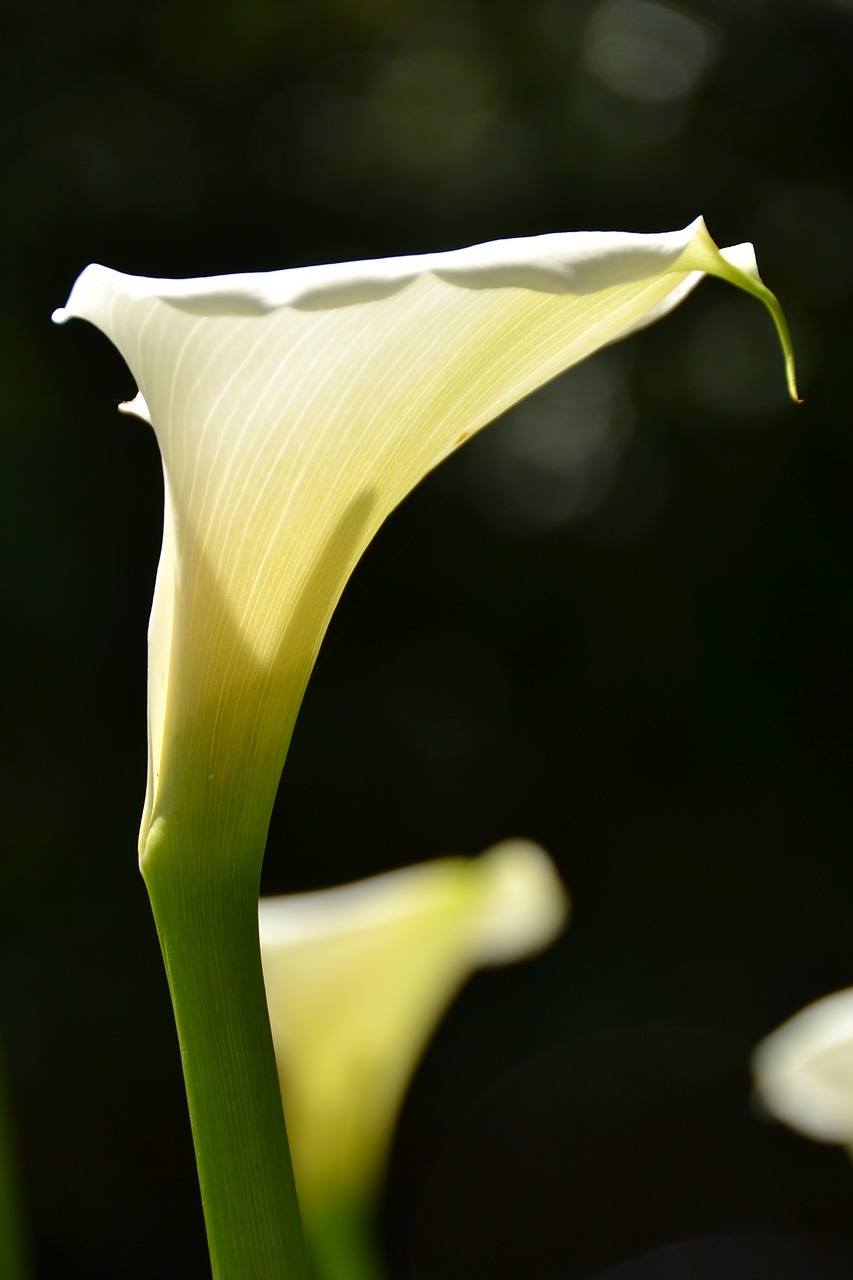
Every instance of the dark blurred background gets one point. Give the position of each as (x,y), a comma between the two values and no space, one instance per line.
(620,621)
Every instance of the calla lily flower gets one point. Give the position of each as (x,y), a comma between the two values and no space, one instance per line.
(357,979)
(803,1071)
(294,410)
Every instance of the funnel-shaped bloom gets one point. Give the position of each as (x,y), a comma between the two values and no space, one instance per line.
(357,980)
(294,410)
(803,1071)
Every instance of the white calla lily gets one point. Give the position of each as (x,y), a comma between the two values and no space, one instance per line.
(803,1071)
(358,978)
(294,410)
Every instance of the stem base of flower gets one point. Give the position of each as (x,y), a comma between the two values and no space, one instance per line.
(205,911)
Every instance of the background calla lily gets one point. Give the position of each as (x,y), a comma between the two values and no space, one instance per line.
(358,978)
(803,1071)
(293,411)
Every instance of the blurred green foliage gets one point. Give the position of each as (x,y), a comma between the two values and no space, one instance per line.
(619,622)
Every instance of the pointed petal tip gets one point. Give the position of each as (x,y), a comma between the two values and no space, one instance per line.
(60,315)
(742,257)
(737,265)
(791,375)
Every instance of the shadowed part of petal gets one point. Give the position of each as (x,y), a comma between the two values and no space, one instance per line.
(160,641)
(804,1071)
(577,262)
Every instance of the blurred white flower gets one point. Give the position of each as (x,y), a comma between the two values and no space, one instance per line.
(359,977)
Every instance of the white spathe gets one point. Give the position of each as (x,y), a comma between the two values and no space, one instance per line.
(359,977)
(803,1071)
(294,409)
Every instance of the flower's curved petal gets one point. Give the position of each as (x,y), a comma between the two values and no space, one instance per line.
(294,409)
(803,1071)
(357,980)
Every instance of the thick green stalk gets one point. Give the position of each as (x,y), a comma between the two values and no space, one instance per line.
(206,912)
(14,1259)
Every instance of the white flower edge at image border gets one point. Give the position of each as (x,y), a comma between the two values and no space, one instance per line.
(803,1071)
(294,409)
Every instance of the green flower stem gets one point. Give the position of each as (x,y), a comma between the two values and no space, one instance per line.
(206,912)
(342,1242)
(14,1258)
